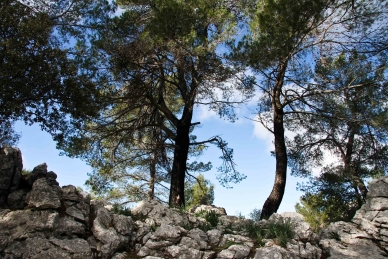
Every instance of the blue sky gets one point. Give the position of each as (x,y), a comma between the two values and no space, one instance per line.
(251,144)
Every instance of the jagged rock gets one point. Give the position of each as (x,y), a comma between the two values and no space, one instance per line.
(214,236)
(120,256)
(304,250)
(345,240)
(159,213)
(21,224)
(303,231)
(236,239)
(168,232)
(104,231)
(11,166)
(273,252)
(69,192)
(41,248)
(68,226)
(235,252)
(39,171)
(44,196)
(17,199)
(207,208)
(54,222)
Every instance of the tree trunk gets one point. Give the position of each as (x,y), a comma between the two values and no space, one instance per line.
(272,203)
(178,171)
(151,191)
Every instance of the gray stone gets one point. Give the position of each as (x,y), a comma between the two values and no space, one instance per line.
(274,252)
(236,239)
(190,253)
(68,226)
(11,166)
(378,188)
(75,213)
(37,247)
(214,236)
(189,242)
(44,196)
(39,171)
(167,232)
(123,224)
(69,192)
(21,224)
(208,208)
(174,250)
(17,199)
(155,245)
(378,203)
(73,246)
(241,251)
(363,248)
(120,256)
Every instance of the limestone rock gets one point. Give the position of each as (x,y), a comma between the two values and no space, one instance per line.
(39,171)
(17,199)
(168,232)
(104,231)
(208,208)
(11,166)
(68,226)
(44,196)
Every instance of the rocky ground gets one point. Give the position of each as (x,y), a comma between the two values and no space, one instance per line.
(40,219)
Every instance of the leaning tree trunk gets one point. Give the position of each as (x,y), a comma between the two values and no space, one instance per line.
(178,171)
(272,203)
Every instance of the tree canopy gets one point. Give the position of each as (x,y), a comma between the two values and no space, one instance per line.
(118,87)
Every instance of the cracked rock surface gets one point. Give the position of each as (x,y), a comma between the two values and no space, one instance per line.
(40,219)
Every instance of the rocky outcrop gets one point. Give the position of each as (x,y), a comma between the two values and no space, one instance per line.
(11,166)
(40,219)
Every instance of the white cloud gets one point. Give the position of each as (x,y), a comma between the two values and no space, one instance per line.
(260,132)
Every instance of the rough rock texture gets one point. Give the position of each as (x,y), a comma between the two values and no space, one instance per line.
(39,219)
(11,166)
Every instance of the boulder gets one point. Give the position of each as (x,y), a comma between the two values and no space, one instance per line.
(44,196)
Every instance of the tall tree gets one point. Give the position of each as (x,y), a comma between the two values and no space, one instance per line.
(159,53)
(279,36)
(284,42)
(201,192)
(348,122)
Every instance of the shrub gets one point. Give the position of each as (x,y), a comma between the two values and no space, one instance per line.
(121,210)
(255,215)
(210,216)
(281,231)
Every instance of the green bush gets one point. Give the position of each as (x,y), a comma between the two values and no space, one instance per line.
(210,216)
(121,210)
(281,231)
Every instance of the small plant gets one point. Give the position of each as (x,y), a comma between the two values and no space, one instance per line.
(121,210)
(188,226)
(240,215)
(212,217)
(255,215)
(26,172)
(154,227)
(205,227)
(281,231)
